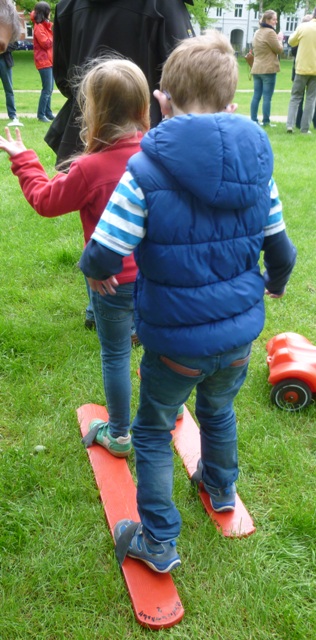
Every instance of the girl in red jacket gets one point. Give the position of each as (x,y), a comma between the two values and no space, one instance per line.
(43,58)
(114,101)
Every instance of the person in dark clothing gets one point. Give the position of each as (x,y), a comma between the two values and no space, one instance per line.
(10,30)
(144,31)
(6,64)
(197,217)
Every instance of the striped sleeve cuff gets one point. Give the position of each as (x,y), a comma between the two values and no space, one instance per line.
(275,220)
(122,224)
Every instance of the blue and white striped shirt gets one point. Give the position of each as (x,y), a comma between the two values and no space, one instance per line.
(122,225)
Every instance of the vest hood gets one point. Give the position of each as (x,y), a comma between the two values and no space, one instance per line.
(208,155)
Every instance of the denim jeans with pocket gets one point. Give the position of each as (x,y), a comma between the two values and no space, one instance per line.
(263,84)
(89,308)
(114,320)
(44,106)
(217,380)
(6,77)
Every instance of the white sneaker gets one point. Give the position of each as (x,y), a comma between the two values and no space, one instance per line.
(15,123)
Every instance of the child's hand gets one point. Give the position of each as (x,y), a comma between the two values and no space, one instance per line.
(274,295)
(105,286)
(12,147)
(109,285)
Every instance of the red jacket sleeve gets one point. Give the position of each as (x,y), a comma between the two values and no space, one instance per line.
(64,193)
(43,36)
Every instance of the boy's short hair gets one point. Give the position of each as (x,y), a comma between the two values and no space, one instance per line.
(201,70)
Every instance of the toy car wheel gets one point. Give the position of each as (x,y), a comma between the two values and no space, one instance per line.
(291,395)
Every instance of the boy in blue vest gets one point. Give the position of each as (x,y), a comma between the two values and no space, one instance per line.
(197,205)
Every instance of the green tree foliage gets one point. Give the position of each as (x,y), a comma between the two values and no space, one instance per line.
(199,12)
(281,7)
(28,5)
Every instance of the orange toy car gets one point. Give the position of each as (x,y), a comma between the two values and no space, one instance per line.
(292,363)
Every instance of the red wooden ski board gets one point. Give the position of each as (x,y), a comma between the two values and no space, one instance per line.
(154,597)
(186,439)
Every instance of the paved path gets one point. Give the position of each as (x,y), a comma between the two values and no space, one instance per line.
(4,116)
(238,90)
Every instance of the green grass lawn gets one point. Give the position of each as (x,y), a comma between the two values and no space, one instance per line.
(59,579)
(27,78)
(281,97)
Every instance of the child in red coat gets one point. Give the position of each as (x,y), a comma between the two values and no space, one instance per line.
(114,101)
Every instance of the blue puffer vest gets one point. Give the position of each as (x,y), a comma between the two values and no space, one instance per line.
(205,178)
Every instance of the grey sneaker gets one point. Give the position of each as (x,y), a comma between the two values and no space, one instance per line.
(119,447)
(222,499)
(130,541)
(90,324)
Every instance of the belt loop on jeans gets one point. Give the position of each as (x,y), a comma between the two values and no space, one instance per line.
(180,368)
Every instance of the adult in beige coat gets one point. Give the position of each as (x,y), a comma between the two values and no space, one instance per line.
(266,47)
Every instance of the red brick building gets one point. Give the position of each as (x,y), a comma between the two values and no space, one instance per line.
(26,25)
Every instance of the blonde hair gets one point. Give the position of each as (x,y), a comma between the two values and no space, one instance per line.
(201,70)
(268,15)
(113,98)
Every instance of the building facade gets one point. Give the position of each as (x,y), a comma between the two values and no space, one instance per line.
(239,24)
(26,24)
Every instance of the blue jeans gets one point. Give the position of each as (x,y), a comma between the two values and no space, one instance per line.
(89,308)
(217,380)
(114,319)
(6,77)
(44,105)
(264,84)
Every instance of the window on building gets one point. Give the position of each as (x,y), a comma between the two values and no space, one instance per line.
(219,12)
(29,30)
(256,15)
(291,23)
(238,10)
